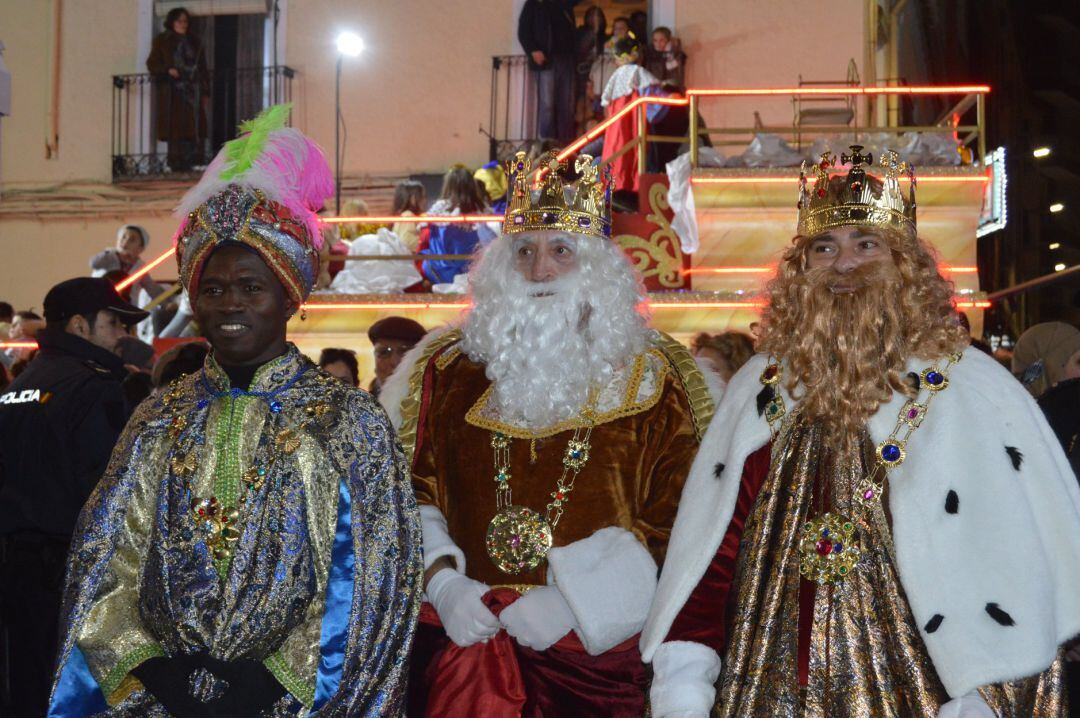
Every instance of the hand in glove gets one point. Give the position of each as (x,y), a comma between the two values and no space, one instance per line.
(969,706)
(166,679)
(457,600)
(539,618)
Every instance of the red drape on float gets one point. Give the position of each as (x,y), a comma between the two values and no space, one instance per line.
(499,678)
(624,169)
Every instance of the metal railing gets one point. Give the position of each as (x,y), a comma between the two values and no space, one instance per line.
(513,119)
(163,127)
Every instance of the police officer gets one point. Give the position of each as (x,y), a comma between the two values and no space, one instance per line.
(58,423)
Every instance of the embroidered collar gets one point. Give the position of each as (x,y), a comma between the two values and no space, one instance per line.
(272,379)
(634,389)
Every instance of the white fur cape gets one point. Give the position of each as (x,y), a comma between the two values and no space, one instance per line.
(1011,549)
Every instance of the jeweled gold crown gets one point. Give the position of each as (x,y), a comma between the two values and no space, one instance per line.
(857,199)
(587,212)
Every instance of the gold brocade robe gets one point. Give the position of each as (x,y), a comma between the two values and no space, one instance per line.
(646,435)
(866,657)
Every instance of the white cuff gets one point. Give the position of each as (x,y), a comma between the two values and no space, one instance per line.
(684,679)
(609,580)
(437,541)
(970,706)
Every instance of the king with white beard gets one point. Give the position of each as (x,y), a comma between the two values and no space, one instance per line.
(551,435)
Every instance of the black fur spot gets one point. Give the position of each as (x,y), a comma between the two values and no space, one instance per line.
(952,502)
(999,615)
(763,398)
(916,381)
(718,470)
(933,623)
(1015,456)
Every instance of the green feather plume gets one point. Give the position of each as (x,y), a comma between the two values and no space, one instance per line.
(242,152)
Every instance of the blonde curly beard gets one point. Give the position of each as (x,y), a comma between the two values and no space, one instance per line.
(845,353)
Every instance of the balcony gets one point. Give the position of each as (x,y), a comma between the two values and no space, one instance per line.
(163,128)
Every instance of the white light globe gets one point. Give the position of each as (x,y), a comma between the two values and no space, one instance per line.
(349,44)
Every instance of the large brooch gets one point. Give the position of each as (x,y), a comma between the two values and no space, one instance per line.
(518,539)
(827,548)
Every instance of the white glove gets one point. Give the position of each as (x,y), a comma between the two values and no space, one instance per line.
(970,706)
(684,680)
(456,599)
(539,619)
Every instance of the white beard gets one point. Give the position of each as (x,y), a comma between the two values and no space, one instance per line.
(546,345)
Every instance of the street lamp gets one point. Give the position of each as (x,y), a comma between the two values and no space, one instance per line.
(349,44)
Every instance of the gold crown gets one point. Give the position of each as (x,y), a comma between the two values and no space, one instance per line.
(859,199)
(588,212)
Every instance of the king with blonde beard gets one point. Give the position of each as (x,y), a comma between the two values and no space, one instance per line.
(879,523)
(551,434)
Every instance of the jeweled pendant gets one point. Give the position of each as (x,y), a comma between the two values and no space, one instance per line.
(827,549)
(518,539)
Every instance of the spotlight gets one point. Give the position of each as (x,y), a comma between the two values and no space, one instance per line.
(1040,152)
(349,44)
(1059,267)
(1056,207)
(1055,245)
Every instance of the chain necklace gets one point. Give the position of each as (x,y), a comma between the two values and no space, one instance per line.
(828,546)
(519,538)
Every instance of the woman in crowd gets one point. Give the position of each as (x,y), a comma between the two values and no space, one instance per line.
(460,195)
(591,36)
(724,353)
(409,200)
(176,60)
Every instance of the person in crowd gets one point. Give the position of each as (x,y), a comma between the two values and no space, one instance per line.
(620,29)
(493,181)
(629,82)
(410,199)
(665,58)
(639,25)
(7,314)
(59,420)
(340,364)
(5,379)
(725,353)
(460,195)
(833,549)
(346,233)
(254,547)
(554,385)
(126,257)
(24,328)
(976,342)
(591,37)
(182,87)
(391,339)
(178,362)
(1046,354)
(546,31)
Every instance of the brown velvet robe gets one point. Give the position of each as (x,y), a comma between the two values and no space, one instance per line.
(633,479)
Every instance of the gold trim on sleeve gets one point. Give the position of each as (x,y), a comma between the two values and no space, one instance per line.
(693,382)
(410,405)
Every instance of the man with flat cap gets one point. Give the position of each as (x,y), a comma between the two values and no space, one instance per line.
(59,421)
(391,338)
(253,549)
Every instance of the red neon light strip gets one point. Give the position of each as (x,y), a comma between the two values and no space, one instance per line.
(767,270)
(919,90)
(18,345)
(145,270)
(794,180)
(432,218)
(599,129)
(377,305)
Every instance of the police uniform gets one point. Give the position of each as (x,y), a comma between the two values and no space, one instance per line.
(59,421)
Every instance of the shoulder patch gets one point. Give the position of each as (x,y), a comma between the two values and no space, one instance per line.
(693,383)
(446,344)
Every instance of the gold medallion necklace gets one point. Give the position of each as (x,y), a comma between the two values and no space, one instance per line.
(828,545)
(519,538)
